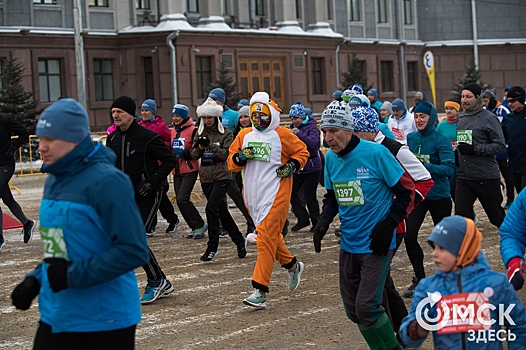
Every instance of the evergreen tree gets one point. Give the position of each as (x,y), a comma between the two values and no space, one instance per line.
(355,75)
(472,75)
(14,100)
(225,81)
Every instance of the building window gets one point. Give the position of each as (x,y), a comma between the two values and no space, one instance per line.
(411,76)
(45,2)
(203,75)
(224,8)
(98,3)
(355,11)
(103,79)
(317,76)
(142,4)
(260,8)
(299,61)
(386,68)
(1,68)
(329,10)
(408,12)
(192,6)
(228,60)
(382,11)
(49,80)
(298,9)
(148,77)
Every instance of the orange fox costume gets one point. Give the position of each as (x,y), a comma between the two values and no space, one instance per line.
(267,196)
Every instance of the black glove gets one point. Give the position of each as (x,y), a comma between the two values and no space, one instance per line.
(466,148)
(25,292)
(203,141)
(57,273)
(241,157)
(382,236)
(319,232)
(145,188)
(10,153)
(286,170)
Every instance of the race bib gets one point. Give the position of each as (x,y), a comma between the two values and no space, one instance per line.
(424,158)
(178,144)
(207,154)
(465,136)
(398,133)
(261,150)
(53,242)
(349,193)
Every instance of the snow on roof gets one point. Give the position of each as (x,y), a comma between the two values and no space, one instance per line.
(289,27)
(213,22)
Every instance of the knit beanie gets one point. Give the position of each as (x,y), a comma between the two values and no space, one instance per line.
(347,94)
(388,106)
(337,115)
(398,105)
(474,88)
(453,102)
(297,110)
(65,120)
(459,236)
(365,101)
(374,93)
(180,110)
(308,112)
(355,101)
(423,107)
(125,103)
(337,94)
(357,89)
(218,94)
(150,105)
(243,102)
(245,110)
(517,93)
(365,119)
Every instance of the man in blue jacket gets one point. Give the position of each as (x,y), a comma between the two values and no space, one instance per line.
(93,239)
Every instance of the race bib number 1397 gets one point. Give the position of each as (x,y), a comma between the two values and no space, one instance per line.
(349,193)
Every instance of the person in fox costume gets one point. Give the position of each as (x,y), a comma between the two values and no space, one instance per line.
(269,155)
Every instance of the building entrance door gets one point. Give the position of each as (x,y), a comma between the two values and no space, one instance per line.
(260,74)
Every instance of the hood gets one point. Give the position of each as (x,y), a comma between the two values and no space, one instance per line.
(429,109)
(275,111)
(480,263)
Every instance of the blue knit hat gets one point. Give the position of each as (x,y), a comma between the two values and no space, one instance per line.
(373,92)
(308,112)
(355,101)
(180,110)
(243,102)
(65,120)
(357,88)
(449,233)
(150,105)
(297,110)
(425,108)
(398,105)
(218,94)
(337,94)
(365,119)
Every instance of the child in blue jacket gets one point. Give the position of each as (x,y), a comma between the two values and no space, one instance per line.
(462,268)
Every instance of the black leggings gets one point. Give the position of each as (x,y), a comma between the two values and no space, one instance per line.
(119,339)
(6,172)
(439,209)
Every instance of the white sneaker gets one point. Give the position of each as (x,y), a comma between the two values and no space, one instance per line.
(295,276)
(256,300)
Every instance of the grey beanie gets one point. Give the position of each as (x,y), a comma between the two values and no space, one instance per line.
(64,120)
(388,106)
(337,115)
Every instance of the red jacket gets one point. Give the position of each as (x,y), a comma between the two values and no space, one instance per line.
(159,126)
(182,136)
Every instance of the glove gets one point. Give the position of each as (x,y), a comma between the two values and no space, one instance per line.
(178,153)
(25,292)
(295,130)
(10,153)
(145,188)
(319,232)
(465,148)
(286,170)
(382,236)
(203,141)
(57,273)
(516,270)
(241,157)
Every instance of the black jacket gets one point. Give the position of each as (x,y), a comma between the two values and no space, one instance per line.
(139,152)
(9,126)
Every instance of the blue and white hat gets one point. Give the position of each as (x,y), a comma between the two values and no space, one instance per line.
(149,105)
(180,110)
(297,111)
(337,115)
(365,119)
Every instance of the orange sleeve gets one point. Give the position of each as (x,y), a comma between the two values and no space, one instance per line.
(292,147)
(236,146)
